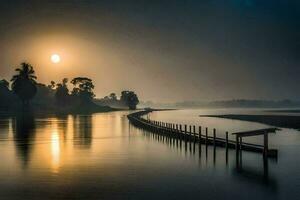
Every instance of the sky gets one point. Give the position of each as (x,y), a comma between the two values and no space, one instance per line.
(164,50)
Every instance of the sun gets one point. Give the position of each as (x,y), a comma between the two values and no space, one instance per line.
(55,58)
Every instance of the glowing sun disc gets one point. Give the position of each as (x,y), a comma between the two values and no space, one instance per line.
(55,58)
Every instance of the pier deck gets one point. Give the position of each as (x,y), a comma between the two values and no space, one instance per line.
(201,136)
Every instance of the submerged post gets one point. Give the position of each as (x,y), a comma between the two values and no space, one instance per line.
(194,132)
(214,132)
(226,140)
(185,130)
(206,136)
(180,132)
(237,143)
(199,134)
(266,146)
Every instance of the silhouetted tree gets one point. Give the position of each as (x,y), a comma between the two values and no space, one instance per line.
(52,85)
(24,83)
(113,96)
(83,88)
(6,96)
(130,99)
(4,84)
(62,92)
(44,96)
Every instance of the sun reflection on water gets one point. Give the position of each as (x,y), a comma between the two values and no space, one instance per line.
(55,151)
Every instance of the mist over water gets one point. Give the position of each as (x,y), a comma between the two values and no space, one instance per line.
(102,156)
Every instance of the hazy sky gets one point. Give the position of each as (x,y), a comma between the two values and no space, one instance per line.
(164,50)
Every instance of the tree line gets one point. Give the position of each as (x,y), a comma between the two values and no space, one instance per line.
(127,99)
(25,92)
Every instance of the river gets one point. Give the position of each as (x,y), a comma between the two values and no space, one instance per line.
(102,156)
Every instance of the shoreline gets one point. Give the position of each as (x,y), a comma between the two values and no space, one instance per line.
(282,121)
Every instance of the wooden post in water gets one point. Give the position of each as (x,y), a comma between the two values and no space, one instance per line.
(237,144)
(241,142)
(185,130)
(194,132)
(206,135)
(180,132)
(226,140)
(190,132)
(266,144)
(199,134)
(226,152)
(214,133)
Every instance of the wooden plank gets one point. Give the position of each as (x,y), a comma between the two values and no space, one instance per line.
(255,132)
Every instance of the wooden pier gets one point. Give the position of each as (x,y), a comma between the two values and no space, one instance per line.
(190,134)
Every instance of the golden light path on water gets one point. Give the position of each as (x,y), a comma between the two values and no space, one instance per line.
(55,151)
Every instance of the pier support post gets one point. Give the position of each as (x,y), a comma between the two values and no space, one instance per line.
(226,153)
(214,134)
(185,131)
(266,144)
(190,132)
(241,143)
(226,140)
(180,134)
(206,135)
(237,146)
(199,134)
(194,132)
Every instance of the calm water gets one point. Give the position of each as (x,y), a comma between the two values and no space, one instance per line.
(101,156)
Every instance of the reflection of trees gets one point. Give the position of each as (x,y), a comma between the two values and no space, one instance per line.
(83,131)
(23,135)
(4,126)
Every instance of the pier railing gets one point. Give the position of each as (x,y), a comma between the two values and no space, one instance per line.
(183,132)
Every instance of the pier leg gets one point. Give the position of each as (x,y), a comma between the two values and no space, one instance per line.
(194,133)
(226,140)
(190,132)
(206,135)
(180,136)
(226,148)
(241,143)
(237,147)
(266,144)
(190,139)
(214,133)
(199,135)
(185,131)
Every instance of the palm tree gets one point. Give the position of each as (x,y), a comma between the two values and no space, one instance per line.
(24,83)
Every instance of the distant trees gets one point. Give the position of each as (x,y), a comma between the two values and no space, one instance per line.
(6,96)
(127,99)
(130,99)
(24,83)
(83,88)
(62,92)
(113,96)
(51,85)
(4,84)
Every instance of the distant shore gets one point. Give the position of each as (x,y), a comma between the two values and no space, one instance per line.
(285,111)
(282,121)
